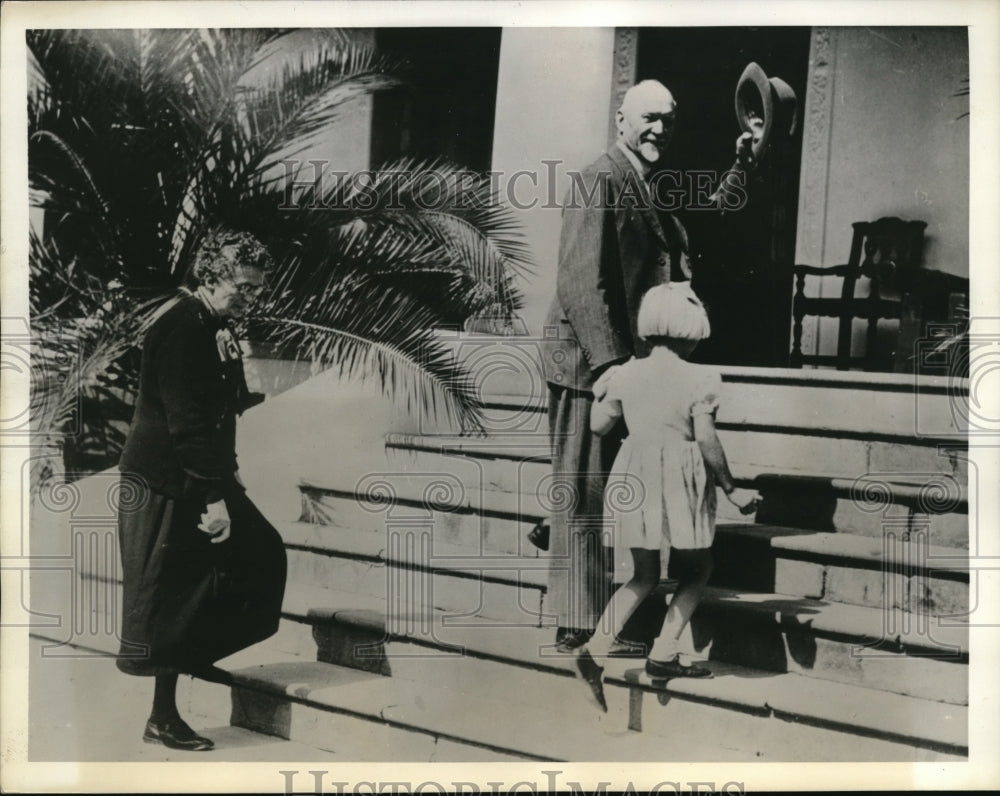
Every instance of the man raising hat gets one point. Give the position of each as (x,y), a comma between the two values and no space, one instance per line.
(614,245)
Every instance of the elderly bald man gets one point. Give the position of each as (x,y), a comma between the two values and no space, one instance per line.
(614,245)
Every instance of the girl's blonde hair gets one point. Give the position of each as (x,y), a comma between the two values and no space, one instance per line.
(672,310)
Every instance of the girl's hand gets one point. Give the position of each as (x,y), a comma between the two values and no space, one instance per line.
(215,521)
(600,387)
(746,500)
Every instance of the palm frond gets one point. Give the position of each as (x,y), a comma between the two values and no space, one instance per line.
(80,193)
(56,287)
(109,101)
(84,379)
(446,207)
(142,138)
(428,186)
(257,127)
(76,71)
(89,352)
(283,116)
(367,332)
(463,244)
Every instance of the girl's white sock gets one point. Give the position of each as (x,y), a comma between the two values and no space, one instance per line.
(664,649)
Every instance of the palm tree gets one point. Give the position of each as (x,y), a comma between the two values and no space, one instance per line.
(139,140)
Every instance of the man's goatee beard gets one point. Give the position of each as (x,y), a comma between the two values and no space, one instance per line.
(650,152)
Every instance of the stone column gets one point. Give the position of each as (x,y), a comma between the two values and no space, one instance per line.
(623,73)
(553,94)
(810,237)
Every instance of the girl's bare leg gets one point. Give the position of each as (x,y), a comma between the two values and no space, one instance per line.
(698,567)
(623,603)
(645,578)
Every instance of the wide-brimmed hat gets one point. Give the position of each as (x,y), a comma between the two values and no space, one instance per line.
(775,98)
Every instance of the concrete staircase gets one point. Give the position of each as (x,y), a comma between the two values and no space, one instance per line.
(416,628)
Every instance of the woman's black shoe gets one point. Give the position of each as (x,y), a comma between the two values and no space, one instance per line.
(175,735)
(664,670)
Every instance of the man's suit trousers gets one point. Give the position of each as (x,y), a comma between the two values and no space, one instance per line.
(580,567)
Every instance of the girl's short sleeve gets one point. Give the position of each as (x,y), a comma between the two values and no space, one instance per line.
(617,383)
(706,394)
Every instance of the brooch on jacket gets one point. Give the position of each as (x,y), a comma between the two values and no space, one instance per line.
(229,348)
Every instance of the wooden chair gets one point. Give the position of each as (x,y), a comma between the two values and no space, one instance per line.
(886,251)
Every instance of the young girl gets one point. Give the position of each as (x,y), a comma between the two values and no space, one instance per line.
(673,456)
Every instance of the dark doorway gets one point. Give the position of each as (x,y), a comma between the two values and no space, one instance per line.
(448,106)
(742,259)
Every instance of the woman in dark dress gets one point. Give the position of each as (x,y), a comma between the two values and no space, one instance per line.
(204,571)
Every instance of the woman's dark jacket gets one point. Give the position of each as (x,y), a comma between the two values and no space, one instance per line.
(191,388)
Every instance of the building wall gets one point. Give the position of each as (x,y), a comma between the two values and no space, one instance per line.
(347,147)
(870,147)
(883,137)
(553,99)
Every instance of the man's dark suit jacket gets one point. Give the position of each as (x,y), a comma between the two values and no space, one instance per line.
(191,387)
(613,247)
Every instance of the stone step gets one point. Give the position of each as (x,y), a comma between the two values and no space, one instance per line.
(68,717)
(314,703)
(355,714)
(905,573)
(780,632)
(773,632)
(890,650)
(204,702)
(269,692)
(329,624)
(410,569)
(501,530)
(768,631)
(865,406)
(752,452)
(803,484)
(367,717)
(830,711)
(935,508)
(519,667)
(324,705)
(838,567)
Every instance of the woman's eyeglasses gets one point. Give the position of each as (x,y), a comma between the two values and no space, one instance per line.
(250,290)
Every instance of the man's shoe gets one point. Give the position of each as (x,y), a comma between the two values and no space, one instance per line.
(664,670)
(569,639)
(539,535)
(593,676)
(175,735)
(625,648)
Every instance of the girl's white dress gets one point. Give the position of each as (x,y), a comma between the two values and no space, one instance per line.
(660,493)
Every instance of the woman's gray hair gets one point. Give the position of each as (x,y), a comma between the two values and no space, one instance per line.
(222,250)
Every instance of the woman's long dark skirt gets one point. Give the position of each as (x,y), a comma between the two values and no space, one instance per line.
(189,602)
